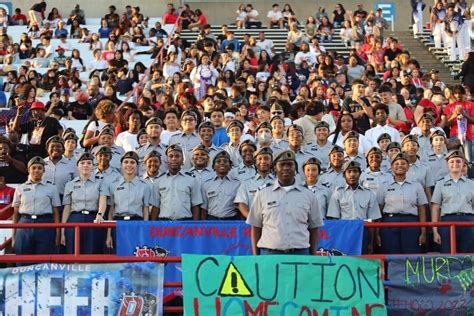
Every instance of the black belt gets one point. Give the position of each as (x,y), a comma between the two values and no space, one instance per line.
(36,216)
(178,219)
(86,212)
(128,218)
(399,215)
(459,214)
(286,250)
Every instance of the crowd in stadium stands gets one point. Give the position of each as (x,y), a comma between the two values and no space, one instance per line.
(204,120)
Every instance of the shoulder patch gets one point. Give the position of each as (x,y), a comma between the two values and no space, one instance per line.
(189,174)
(49,182)
(260,188)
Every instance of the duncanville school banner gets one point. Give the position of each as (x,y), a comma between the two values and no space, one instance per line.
(162,238)
(130,289)
(282,285)
(431,285)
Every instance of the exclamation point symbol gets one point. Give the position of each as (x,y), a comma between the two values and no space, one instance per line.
(233,282)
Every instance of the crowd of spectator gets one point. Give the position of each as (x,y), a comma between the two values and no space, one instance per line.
(218,94)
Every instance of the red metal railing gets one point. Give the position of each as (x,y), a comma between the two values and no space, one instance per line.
(99,258)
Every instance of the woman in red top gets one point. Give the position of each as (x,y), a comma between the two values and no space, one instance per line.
(201,20)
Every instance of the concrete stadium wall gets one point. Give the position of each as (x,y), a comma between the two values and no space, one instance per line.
(219,12)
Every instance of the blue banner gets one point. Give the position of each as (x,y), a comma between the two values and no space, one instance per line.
(162,238)
(130,289)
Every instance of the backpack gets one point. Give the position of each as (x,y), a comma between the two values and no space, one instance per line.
(84,130)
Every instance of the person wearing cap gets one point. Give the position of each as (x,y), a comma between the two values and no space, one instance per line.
(345,124)
(264,176)
(351,149)
(106,138)
(393,148)
(333,177)
(206,133)
(401,200)
(279,142)
(285,216)
(320,149)
(217,120)
(353,201)
(58,170)
(103,155)
(154,127)
(383,141)
(200,163)
(130,198)
(81,203)
(36,201)
(295,144)
(127,140)
(178,193)
(218,193)
(246,169)
(452,201)
(39,129)
(263,134)
(381,112)
(152,162)
(234,131)
(436,161)
(418,171)
(312,170)
(373,176)
(188,138)
(425,124)
(70,146)
(314,113)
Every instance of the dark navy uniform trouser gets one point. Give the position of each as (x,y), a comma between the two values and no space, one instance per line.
(464,235)
(35,241)
(92,240)
(400,239)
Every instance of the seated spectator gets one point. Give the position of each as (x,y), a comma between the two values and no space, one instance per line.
(338,15)
(112,17)
(170,17)
(275,17)
(104,29)
(325,30)
(253,19)
(200,22)
(310,28)
(75,30)
(289,17)
(54,17)
(77,14)
(18,18)
(60,30)
(241,16)
(295,36)
(391,53)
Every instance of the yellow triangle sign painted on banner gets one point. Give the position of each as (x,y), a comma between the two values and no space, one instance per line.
(234,284)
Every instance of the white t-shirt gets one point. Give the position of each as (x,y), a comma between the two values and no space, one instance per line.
(166,135)
(127,141)
(266,45)
(274,16)
(309,57)
(252,14)
(170,69)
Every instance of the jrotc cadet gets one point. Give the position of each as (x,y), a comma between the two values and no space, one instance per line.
(58,170)
(425,123)
(285,216)
(322,147)
(263,135)
(152,162)
(188,138)
(279,143)
(130,196)
(295,144)
(351,149)
(81,203)
(248,188)
(352,201)
(36,201)
(154,127)
(200,164)
(372,177)
(418,171)
(333,177)
(106,138)
(178,193)
(312,170)
(104,171)
(382,142)
(246,169)
(71,151)
(393,149)
(401,200)
(452,201)
(436,161)
(234,131)
(218,193)
(206,133)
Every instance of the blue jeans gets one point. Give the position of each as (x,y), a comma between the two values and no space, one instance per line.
(265,252)
(464,235)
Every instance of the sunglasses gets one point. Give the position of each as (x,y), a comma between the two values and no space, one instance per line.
(277,112)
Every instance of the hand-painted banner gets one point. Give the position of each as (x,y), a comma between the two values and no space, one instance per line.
(163,238)
(282,285)
(130,289)
(431,285)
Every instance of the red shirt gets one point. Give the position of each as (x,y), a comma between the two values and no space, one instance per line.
(6,198)
(202,20)
(469,109)
(169,18)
